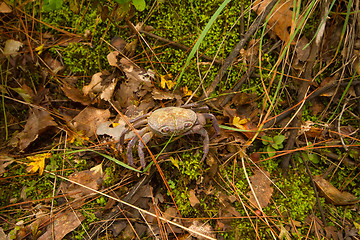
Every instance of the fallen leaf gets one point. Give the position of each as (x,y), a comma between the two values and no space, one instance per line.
(4,162)
(38,122)
(135,73)
(170,213)
(284,234)
(4,8)
(186,91)
(167,82)
(75,95)
(202,228)
(281,21)
(108,90)
(158,94)
(89,119)
(88,178)
(25,92)
(37,162)
(108,128)
(54,64)
(302,53)
(331,232)
(112,58)
(194,201)
(262,190)
(118,43)
(95,84)
(63,224)
(333,195)
(316,225)
(329,80)
(12,47)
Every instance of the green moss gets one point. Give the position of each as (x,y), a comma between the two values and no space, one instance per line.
(190,19)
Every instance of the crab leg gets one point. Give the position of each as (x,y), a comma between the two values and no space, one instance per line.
(135,125)
(146,138)
(214,122)
(200,130)
(131,144)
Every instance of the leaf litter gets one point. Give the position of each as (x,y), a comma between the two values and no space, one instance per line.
(132,90)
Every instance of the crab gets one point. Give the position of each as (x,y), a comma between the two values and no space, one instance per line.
(166,122)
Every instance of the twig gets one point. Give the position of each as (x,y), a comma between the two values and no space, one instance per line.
(229,60)
(180,46)
(317,92)
(246,76)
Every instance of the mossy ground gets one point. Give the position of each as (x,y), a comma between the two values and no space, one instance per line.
(182,23)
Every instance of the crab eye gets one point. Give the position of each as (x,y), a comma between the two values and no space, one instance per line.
(165,130)
(187,125)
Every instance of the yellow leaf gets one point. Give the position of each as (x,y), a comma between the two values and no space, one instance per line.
(175,162)
(40,48)
(37,163)
(239,123)
(166,81)
(114,125)
(186,91)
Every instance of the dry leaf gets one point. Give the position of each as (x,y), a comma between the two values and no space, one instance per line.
(63,224)
(108,128)
(89,119)
(4,162)
(4,8)
(205,229)
(134,73)
(75,95)
(281,21)
(316,225)
(261,186)
(95,85)
(108,90)
(193,199)
(38,122)
(302,53)
(158,94)
(37,163)
(112,58)
(54,64)
(167,82)
(170,213)
(333,195)
(12,47)
(88,178)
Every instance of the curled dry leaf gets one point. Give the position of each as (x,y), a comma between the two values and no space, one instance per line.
(102,83)
(63,224)
(332,194)
(38,122)
(133,72)
(89,119)
(109,90)
(95,85)
(262,190)
(112,58)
